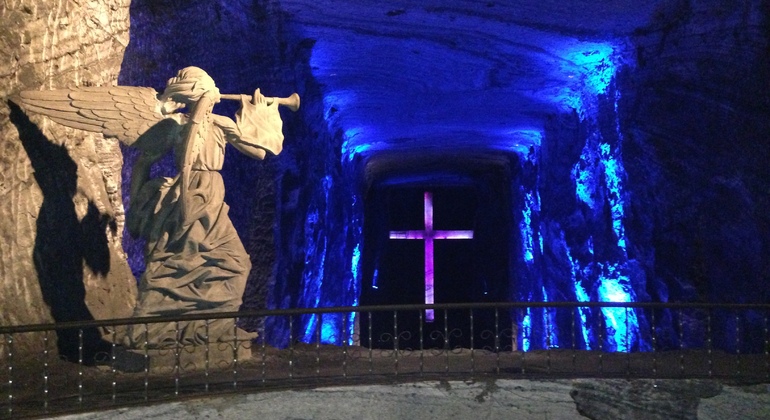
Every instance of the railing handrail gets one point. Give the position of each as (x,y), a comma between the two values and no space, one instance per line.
(15,329)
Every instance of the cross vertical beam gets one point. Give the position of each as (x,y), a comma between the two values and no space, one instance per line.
(428,235)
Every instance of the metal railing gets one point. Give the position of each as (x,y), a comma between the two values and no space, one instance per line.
(377,344)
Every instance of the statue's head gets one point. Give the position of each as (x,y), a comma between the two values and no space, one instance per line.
(189,85)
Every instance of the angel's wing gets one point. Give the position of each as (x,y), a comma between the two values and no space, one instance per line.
(123,112)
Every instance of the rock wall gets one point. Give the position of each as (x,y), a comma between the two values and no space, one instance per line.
(658,185)
(696,152)
(697,110)
(61,216)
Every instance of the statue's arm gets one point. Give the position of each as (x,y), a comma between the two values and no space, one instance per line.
(234,136)
(257,129)
(140,173)
(153,145)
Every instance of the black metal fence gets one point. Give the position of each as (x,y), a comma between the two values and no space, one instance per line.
(350,345)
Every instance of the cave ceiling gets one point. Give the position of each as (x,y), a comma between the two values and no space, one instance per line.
(459,75)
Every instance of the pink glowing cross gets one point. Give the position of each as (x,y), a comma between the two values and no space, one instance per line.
(429,235)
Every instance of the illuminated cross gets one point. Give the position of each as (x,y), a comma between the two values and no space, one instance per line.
(429,235)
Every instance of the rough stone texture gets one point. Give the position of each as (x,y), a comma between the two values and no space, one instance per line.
(697,111)
(641,399)
(738,402)
(61,216)
(499,399)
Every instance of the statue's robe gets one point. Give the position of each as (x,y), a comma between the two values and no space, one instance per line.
(195,264)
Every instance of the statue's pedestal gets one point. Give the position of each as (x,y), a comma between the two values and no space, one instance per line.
(215,356)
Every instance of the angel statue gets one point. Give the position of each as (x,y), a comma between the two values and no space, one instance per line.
(195,261)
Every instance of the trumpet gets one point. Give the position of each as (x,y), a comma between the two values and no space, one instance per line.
(291,102)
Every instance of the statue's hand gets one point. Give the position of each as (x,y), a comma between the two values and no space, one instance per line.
(258,98)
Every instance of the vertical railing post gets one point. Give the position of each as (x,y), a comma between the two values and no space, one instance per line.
(681,342)
(516,338)
(236,344)
(113,358)
(46,371)
(344,346)
(291,347)
(369,328)
(709,344)
(497,340)
(263,351)
(767,350)
(602,328)
(473,360)
(421,317)
(206,355)
(146,348)
(737,345)
(318,346)
(177,356)
(548,342)
(9,345)
(395,342)
(446,341)
(654,350)
(628,347)
(574,346)
(80,367)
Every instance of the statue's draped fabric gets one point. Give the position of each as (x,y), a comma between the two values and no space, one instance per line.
(195,262)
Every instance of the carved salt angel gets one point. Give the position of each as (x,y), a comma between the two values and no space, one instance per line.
(195,260)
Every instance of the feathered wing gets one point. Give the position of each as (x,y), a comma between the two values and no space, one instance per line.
(122,112)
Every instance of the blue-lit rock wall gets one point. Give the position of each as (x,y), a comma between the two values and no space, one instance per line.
(696,112)
(572,198)
(655,189)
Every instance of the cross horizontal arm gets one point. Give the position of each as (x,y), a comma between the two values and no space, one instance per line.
(453,234)
(436,234)
(407,234)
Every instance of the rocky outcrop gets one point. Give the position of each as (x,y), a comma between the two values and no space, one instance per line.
(61,213)
(641,399)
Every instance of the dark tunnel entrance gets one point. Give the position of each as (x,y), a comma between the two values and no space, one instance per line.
(450,231)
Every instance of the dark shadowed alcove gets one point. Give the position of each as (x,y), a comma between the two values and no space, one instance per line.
(470,249)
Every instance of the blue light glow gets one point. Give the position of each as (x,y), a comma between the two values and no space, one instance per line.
(571,99)
(584,175)
(521,141)
(621,324)
(352,325)
(526,330)
(540,240)
(581,296)
(527,233)
(335,101)
(349,146)
(597,62)
(310,327)
(613,175)
(330,327)
(592,66)
(354,263)
(551,334)
(315,260)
